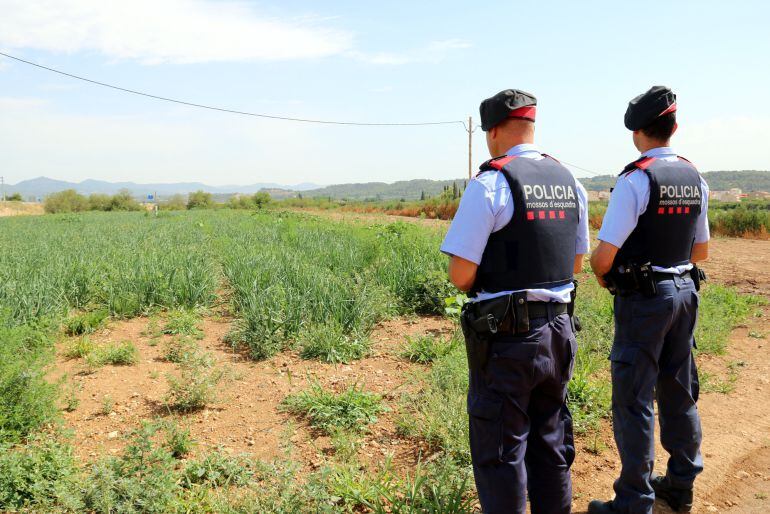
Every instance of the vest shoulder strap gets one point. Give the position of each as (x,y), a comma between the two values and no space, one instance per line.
(688,161)
(641,163)
(497,163)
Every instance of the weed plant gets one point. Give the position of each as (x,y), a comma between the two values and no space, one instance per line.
(327,411)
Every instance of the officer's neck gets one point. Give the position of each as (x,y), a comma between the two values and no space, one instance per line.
(645,145)
(506,144)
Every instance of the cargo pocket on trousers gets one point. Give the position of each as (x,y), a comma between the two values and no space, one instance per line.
(486,430)
(569,367)
(625,386)
(694,325)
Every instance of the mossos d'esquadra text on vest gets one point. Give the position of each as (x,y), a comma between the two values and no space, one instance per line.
(549,196)
(680,194)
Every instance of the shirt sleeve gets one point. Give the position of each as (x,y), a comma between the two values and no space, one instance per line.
(702,233)
(473,223)
(582,244)
(627,203)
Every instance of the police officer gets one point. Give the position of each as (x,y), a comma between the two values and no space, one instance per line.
(519,234)
(655,229)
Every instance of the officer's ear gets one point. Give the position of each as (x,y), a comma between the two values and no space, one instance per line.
(676,126)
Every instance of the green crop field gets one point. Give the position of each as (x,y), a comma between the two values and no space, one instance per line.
(288,282)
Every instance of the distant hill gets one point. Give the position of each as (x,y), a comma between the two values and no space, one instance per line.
(406,189)
(747,180)
(42,186)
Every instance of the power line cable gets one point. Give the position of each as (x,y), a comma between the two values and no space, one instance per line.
(232,111)
(262,115)
(590,172)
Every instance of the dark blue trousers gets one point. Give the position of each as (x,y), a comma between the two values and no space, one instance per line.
(652,353)
(520,427)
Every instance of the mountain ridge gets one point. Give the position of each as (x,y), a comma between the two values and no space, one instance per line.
(747,180)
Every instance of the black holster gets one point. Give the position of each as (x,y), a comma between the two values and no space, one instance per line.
(630,278)
(480,321)
(698,276)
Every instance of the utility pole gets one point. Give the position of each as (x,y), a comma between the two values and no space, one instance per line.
(470,145)
(2,187)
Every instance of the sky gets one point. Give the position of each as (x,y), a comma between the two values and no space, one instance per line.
(393,62)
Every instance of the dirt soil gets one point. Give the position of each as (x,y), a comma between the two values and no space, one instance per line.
(246,417)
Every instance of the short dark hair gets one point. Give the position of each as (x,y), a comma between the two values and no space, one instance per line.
(662,128)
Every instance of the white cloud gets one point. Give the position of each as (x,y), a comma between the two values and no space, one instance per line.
(152,31)
(433,52)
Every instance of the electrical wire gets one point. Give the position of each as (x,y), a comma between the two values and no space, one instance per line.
(232,111)
(262,115)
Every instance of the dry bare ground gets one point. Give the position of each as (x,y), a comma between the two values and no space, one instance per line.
(245,417)
(20,208)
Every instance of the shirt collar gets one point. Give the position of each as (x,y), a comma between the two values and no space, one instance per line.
(523,149)
(661,151)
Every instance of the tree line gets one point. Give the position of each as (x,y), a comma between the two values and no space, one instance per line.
(72,201)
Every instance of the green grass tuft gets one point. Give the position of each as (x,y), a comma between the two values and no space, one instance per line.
(352,409)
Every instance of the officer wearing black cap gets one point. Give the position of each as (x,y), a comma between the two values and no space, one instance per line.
(654,230)
(519,234)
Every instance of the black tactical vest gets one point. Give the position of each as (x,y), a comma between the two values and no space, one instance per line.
(665,232)
(536,249)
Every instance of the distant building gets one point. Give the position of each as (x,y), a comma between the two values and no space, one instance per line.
(733,195)
(758,195)
(598,196)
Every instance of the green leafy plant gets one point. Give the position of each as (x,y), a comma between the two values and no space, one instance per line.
(194,386)
(426,349)
(86,322)
(352,409)
(329,343)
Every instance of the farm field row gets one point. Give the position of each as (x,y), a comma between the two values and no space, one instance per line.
(309,358)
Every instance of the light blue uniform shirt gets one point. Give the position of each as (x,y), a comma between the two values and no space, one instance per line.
(486,207)
(629,200)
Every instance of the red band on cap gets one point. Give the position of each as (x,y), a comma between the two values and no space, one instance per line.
(524,112)
(671,108)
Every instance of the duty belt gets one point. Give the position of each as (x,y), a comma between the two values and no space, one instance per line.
(509,314)
(643,279)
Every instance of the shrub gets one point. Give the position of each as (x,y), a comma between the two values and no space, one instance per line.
(80,349)
(174,203)
(329,343)
(179,348)
(41,475)
(740,222)
(65,201)
(194,386)
(27,399)
(15,197)
(86,322)
(178,440)
(218,470)
(143,479)
(353,408)
(124,353)
(200,200)
(426,349)
(124,201)
(183,322)
(99,202)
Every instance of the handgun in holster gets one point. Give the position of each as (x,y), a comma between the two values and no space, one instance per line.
(698,276)
(629,278)
(480,322)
